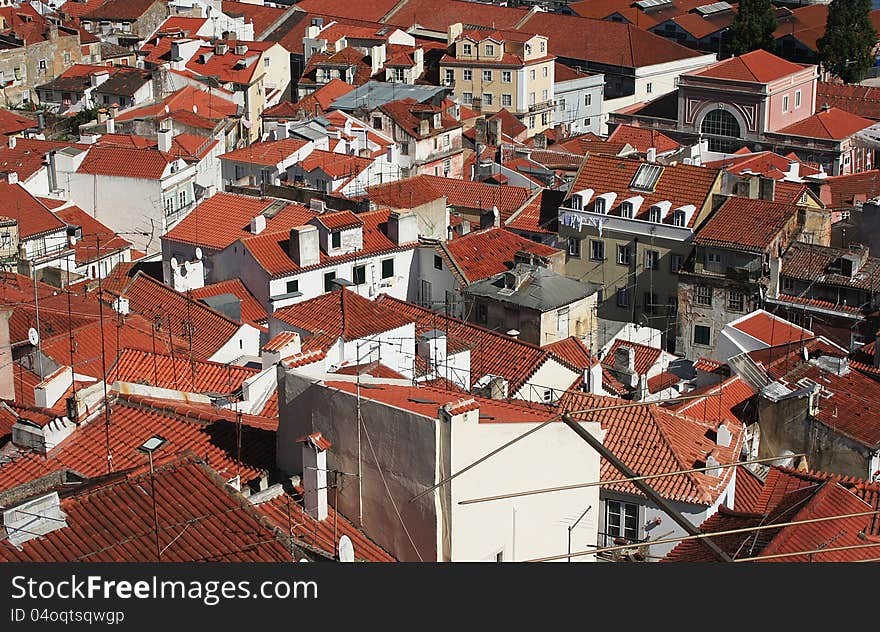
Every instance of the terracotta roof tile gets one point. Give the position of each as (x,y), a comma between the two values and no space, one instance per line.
(316,103)
(270,248)
(651,439)
(748,490)
(33,218)
(539,215)
(131,424)
(12,123)
(748,224)
(679,184)
(260,16)
(368,10)
(341,313)
(481,254)
(855,99)
(220,220)
(763,162)
(438,14)
(209,329)
(125,162)
(94,234)
(758,66)
(605,42)
(268,153)
(815,263)
(834,124)
(643,138)
(286,512)
(251,310)
(178,373)
(772,330)
(662,381)
(645,356)
(112,520)
(850,190)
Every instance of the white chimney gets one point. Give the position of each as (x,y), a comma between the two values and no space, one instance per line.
(164,139)
(794,169)
(625,358)
(304,247)
(723,436)
(258,224)
(111,125)
(12,142)
(593,379)
(49,391)
(651,154)
(403,227)
(712,461)
(431,348)
(97,78)
(314,459)
(12,177)
(121,305)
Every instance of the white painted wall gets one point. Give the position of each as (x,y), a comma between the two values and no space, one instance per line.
(532,526)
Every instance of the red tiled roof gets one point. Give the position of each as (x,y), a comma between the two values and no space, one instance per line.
(438,14)
(223,218)
(819,500)
(491,352)
(208,104)
(347,57)
(679,184)
(573,351)
(178,373)
(772,330)
(834,124)
(459,193)
(94,234)
(260,16)
(402,112)
(367,10)
(847,191)
(120,10)
(748,224)
(226,67)
(270,249)
(341,313)
(112,520)
(374,369)
(131,424)
(12,123)
(281,340)
(27,157)
(605,42)
(334,164)
(722,401)
(322,98)
(125,162)
(652,440)
(589,143)
(76,8)
(33,218)
(662,381)
(765,163)
(645,356)
(286,512)
(339,220)
(708,365)
(268,153)
(758,66)
(855,99)
(251,310)
(748,490)
(209,329)
(483,253)
(539,215)
(643,138)
(811,262)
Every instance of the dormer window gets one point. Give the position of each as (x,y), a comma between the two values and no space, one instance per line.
(679,218)
(577,202)
(336,239)
(466,49)
(599,206)
(626,210)
(490,49)
(654,214)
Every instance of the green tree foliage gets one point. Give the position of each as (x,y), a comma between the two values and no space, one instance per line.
(847,48)
(752,27)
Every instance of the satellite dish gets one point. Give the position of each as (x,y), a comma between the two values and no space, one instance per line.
(346,549)
(33,336)
(198,254)
(173,262)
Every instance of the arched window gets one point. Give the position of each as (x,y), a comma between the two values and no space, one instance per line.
(721,123)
